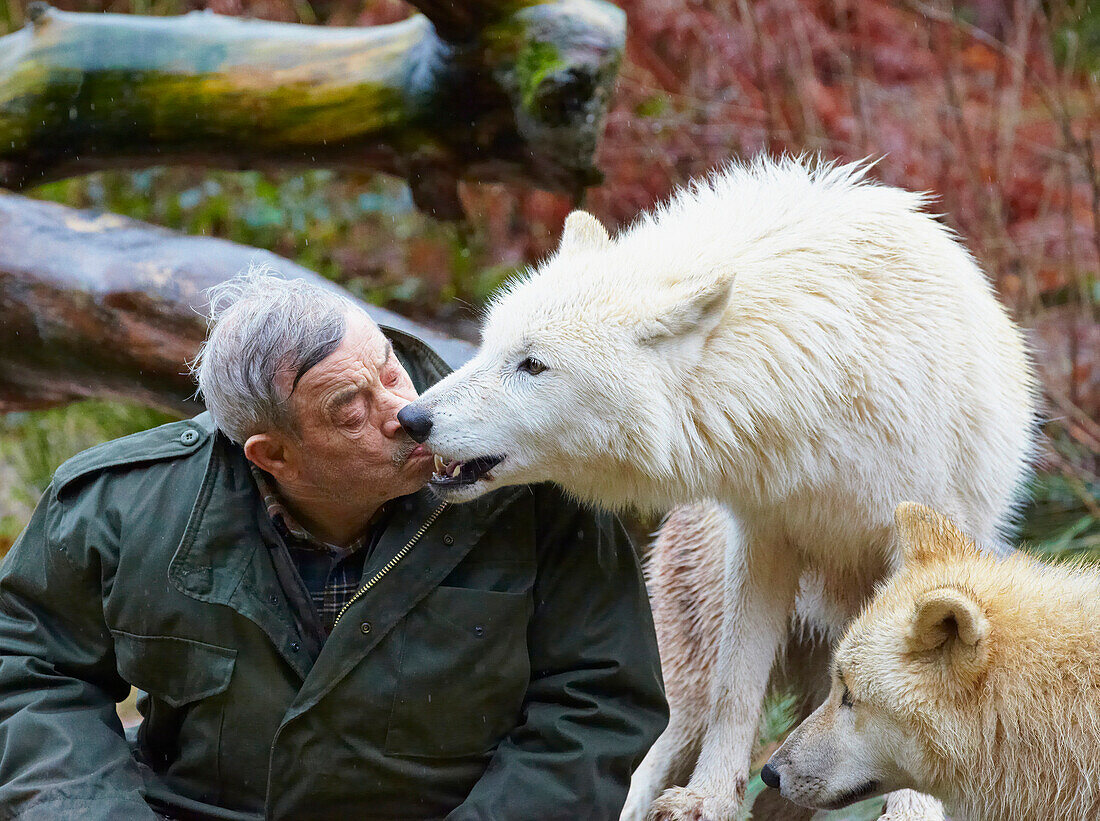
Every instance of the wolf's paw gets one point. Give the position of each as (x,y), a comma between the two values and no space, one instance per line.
(909,805)
(684,804)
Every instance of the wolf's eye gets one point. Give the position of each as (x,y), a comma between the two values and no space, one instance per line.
(846,699)
(532,366)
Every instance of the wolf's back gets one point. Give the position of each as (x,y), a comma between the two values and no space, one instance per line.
(862,352)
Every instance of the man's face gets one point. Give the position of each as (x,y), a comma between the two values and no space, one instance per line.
(350,446)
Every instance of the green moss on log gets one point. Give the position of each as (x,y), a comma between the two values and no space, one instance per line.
(523,98)
(535,62)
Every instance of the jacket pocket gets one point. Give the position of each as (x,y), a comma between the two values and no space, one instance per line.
(182,706)
(175,670)
(464,673)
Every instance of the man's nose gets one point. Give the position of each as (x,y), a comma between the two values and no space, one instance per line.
(416,421)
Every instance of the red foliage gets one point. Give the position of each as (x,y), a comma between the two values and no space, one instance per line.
(978,113)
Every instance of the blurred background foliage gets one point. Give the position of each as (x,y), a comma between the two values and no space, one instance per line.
(992,105)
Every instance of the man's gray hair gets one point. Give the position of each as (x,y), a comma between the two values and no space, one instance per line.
(260,326)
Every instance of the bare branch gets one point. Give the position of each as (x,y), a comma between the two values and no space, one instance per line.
(523,98)
(96,305)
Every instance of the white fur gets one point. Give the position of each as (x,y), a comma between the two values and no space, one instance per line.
(805,346)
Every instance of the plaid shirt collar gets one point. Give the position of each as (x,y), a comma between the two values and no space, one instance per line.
(289,527)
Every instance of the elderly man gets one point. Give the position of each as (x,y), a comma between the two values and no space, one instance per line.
(315,635)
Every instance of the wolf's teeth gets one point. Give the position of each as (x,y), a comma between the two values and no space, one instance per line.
(438,464)
(456,471)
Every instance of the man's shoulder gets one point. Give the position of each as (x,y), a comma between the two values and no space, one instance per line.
(166,442)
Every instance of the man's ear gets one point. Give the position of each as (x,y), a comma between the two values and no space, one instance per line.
(268,452)
(924,534)
(697,314)
(583,232)
(947,615)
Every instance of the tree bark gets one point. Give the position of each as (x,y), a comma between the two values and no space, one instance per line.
(493,90)
(96,305)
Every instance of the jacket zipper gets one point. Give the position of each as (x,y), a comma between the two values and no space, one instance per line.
(391,564)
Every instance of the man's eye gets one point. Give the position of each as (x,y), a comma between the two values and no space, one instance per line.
(350,420)
(846,698)
(532,366)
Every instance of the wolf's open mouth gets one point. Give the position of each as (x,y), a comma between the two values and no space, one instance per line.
(452,473)
(852,796)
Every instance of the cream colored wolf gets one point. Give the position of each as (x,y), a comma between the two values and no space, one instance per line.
(803,345)
(685,577)
(972,678)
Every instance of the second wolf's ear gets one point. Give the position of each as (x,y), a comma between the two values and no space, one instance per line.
(924,534)
(694,315)
(583,232)
(947,615)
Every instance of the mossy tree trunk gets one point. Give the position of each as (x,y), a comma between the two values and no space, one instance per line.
(96,305)
(486,90)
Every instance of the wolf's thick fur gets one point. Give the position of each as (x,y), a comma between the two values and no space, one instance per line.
(684,575)
(805,346)
(973,678)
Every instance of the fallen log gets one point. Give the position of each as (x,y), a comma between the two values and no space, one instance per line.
(482,89)
(97,305)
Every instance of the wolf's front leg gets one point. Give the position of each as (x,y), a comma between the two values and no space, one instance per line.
(669,761)
(686,579)
(761,581)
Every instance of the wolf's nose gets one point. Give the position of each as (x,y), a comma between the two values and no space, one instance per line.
(770,777)
(416,421)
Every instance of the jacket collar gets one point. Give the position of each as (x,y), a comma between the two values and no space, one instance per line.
(222,559)
(222,532)
(441,547)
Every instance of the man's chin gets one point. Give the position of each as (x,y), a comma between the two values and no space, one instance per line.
(845,798)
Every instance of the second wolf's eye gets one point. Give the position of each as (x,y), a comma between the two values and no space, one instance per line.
(846,699)
(532,366)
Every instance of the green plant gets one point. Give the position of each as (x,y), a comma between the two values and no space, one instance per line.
(34,444)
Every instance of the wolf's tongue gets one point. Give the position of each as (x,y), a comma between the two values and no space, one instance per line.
(447,469)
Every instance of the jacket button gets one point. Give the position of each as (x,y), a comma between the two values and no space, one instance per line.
(448,540)
(295,646)
(364,627)
(479,631)
(189,436)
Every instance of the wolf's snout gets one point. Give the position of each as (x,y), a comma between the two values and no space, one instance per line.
(416,421)
(770,776)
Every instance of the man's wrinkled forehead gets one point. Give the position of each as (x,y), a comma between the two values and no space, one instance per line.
(359,327)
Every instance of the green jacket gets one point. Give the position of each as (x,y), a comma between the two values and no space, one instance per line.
(504,668)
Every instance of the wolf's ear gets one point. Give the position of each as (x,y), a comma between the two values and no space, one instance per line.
(945,615)
(697,314)
(583,232)
(924,534)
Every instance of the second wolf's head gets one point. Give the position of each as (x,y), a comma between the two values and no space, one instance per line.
(967,677)
(911,662)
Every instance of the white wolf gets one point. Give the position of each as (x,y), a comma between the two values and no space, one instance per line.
(974,678)
(805,346)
